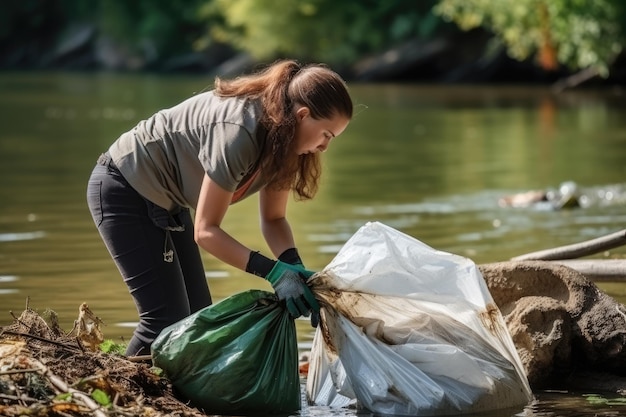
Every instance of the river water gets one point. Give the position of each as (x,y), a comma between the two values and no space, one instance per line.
(431,161)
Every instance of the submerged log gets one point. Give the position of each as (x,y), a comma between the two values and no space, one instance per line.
(598,270)
(594,269)
(577,250)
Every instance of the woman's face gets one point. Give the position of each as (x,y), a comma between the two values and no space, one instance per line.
(313,135)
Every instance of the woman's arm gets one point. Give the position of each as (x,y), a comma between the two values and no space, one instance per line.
(287,280)
(274,224)
(213,203)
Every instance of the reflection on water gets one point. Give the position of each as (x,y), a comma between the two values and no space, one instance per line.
(567,404)
(545,404)
(432,162)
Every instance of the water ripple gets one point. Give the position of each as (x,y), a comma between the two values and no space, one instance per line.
(14,237)
(8,278)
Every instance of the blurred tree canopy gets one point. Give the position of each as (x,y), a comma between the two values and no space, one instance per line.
(171,26)
(327,30)
(577,34)
(30,30)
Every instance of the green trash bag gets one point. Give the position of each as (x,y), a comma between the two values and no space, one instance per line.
(239,356)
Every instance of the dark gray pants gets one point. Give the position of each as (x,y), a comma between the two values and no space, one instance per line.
(161,267)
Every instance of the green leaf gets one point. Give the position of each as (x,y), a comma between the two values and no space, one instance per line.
(101,397)
(109,346)
(156,371)
(65,396)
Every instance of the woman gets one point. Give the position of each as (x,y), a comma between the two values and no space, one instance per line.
(262,133)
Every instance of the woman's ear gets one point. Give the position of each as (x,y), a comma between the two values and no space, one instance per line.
(302,112)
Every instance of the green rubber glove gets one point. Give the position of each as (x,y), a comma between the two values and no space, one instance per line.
(289,283)
(291,256)
(315,314)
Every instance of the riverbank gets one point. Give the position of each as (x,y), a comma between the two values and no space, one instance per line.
(45,370)
(472,57)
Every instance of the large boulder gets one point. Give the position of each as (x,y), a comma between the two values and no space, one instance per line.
(562,324)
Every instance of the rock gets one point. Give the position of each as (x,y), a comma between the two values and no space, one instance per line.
(562,324)
(232,67)
(74,41)
(115,55)
(396,62)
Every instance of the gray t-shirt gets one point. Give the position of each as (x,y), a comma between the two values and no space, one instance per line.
(166,156)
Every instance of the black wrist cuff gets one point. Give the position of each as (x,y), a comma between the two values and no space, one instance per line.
(290,256)
(259,265)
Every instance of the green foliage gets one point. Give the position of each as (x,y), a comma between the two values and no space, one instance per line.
(157,371)
(151,29)
(101,397)
(576,33)
(170,26)
(64,396)
(109,346)
(583,33)
(327,30)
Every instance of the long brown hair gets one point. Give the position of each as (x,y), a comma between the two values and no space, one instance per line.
(280,87)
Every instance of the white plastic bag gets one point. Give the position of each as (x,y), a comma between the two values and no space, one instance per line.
(409,330)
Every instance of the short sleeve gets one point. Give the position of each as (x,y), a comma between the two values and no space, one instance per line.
(227,153)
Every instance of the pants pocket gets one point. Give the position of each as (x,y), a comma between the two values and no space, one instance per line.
(94,200)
